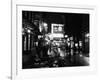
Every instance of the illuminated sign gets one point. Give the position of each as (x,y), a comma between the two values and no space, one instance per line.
(57,28)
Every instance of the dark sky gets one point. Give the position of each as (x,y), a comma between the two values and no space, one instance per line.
(77,24)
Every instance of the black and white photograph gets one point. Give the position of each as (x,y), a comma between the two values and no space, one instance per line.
(55,39)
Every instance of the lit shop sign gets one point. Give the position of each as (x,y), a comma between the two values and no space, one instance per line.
(57,28)
(59,35)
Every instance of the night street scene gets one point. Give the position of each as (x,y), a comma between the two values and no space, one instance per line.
(54,39)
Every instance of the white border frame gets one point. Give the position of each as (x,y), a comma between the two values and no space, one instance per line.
(17,73)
